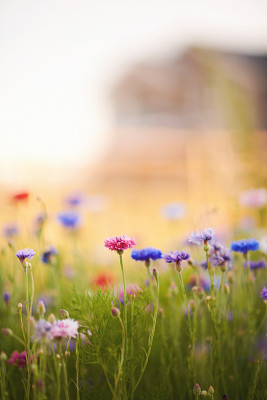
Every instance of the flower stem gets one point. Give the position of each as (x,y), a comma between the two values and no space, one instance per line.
(150,339)
(65,376)
(117,380)
(77,345)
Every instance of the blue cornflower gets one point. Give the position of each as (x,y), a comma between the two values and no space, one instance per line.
(69,219)
(23,254)
(74,199)
(146,254)
(46,256)
(264,293)
(201,237)
(253,265)
(6,297)
(245,245)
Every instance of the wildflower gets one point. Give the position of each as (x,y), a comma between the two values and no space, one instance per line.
(22,196)
(264,293)
(147,254)
(74,199)
(69,219)
(204,393)
(6,297)
(25,254)
(103,280)
(197,389)
(65,328)
(10,230)
(131,290)
(115,312)
(173,211)
(119,243)
(177,257)
(41,307)
(254,265)
(42,329)
(255,198)
(211,390)
(202,237)
(18,359)
(64,313)
(245,245)
(7,332)
(48,254)
(3,356)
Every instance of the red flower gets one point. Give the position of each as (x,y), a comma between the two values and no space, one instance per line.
(22,196)
(103,280)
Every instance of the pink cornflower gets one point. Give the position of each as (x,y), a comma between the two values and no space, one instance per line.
(119,243)
(18,359)
(63,329)
(131,290)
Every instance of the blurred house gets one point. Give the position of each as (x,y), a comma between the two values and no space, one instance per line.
(175,122)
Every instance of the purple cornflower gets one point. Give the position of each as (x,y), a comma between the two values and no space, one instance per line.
(146,254)
(253,265)
(201,237)
(6,297)
(245,245)
(42,329)
(25,254)
(176,257)
(48,254)
(264,293)
(10,230)
(69,219)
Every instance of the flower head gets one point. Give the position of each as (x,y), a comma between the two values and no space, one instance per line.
(6,297)
(103,280)
(245,245)
(146,254)
(65,328)
(20,196)
(48,254)
(202,237)
(119,243)
(25,254)
(69,219)
(10,230)
(176,256)
(131,290)
(18,359)
(42,329)
(255,198)
(74,199)
(254,265)
(264,293)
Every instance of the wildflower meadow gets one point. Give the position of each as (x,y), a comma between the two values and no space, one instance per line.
(183,322)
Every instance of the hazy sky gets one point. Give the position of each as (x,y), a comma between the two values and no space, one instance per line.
(59,58)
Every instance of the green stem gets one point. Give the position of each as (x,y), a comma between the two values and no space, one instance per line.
(28,347)
(206,249)
(117,380)
(255,380)
(150,339)
(77,365)
(65,376)
(3,380)
(125,308)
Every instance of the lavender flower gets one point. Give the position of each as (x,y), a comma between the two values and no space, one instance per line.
(202,237)
(173,211)
(42,330)
(10,230)
(69,219)
(176,256)
(74,199)
(25,254)
(264,293)
(243,246)
(254,265)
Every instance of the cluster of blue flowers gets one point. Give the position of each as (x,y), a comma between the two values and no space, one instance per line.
(146,254)
(245,245)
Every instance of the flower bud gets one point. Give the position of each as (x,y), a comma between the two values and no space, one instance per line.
(155,273)
(230,276)
(6,297)
(226,288)
(115,311)
(41,308)
(51,318)
(200,292)
(204,393)
(67,354)
(208,299)
(64,314)
(192,305)
(197,389)
(3,356)
(6,332)
(211,390)
(20,306)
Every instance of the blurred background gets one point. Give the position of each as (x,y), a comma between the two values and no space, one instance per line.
(152,113)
